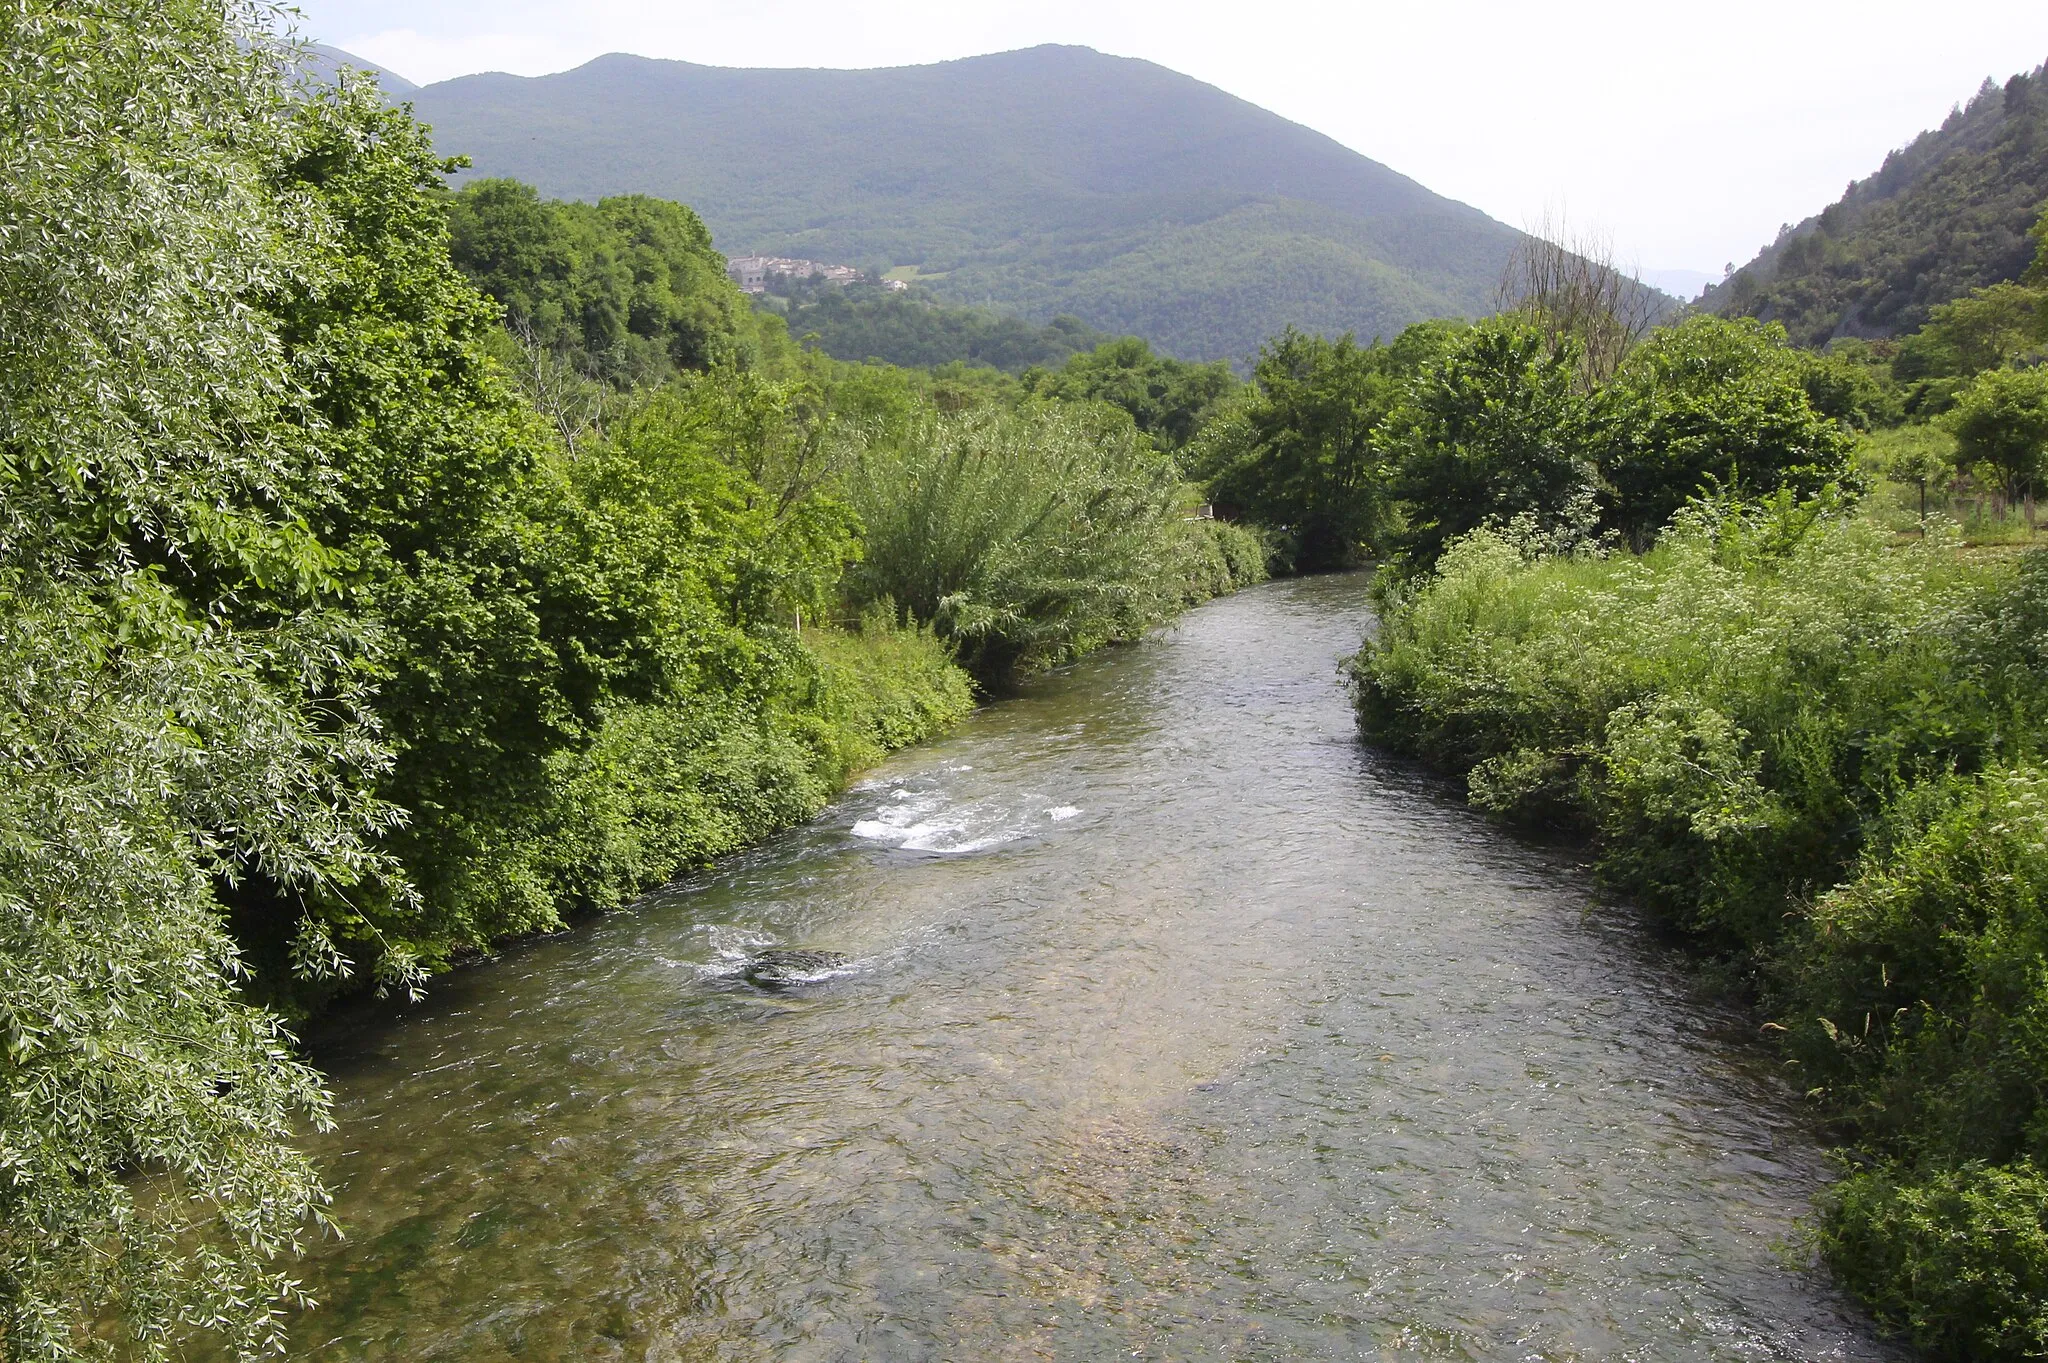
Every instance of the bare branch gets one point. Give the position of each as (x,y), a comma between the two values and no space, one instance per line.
(1568,284)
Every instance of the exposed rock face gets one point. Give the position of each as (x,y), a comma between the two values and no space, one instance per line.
(782,968)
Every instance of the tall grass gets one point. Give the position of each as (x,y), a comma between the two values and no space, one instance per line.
(1028,537)
(1814,748)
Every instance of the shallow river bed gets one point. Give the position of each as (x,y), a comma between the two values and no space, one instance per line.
(1176,1026)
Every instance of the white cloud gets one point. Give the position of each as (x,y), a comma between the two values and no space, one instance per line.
(1687,132)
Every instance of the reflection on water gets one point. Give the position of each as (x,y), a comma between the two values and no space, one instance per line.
(1174,1025)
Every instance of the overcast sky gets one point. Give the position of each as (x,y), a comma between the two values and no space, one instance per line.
(1685,132)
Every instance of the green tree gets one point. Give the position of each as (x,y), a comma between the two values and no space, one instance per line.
(2037,273)
(163,741)
(1851,382)
(1712,403)
(1495,430)
(1981,330)
(628,289)
(2001,422)
(1295,453)
(1920,454)
(1168,398)
(516,606)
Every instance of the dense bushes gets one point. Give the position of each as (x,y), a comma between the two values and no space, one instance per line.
(664,787)
(545,628)
(1169,399)
(1810,748)
(1295,451)
(1958,1261)
(1030,536)
(156,744)
(1344,451)
(1709,404)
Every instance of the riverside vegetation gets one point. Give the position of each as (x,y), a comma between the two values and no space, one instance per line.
(1693,605)
(347,631)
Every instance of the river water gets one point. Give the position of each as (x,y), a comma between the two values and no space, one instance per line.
(1178,1026)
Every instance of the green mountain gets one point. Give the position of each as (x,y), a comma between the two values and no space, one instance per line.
(1050,181)
(1944,215)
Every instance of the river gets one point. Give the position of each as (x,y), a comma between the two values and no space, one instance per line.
(1178,1026)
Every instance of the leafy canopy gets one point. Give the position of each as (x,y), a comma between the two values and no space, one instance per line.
(183,705)
(1169,399)
(1707,404)
(1295,451)
(2001,422)
(1494,430)
(627,289)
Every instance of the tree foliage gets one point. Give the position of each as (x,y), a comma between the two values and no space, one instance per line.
(1712,403)
(1495,430)
(159,740)
(1295,453)
(2001,422)
(1982,330)
(627,289)
(1169,399)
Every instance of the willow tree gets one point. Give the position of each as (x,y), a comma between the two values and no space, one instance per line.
(159,742)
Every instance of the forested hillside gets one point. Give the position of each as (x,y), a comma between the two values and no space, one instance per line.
(864,321)
(1944,215)
(1051,181)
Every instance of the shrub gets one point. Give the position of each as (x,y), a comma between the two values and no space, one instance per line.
(1025,537)
(1958,1262)
(1722,711)
(1916,999)
(1493,430)
(664,788)
(1713,404)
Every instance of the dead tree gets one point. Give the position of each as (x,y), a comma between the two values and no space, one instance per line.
(576,404)
(1569,285)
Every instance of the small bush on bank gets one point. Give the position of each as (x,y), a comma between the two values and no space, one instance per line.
(666,788)
(1958,1262)
(1723,711)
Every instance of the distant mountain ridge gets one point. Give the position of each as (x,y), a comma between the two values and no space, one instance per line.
(324,63)
(1050,180)
(1945,214)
